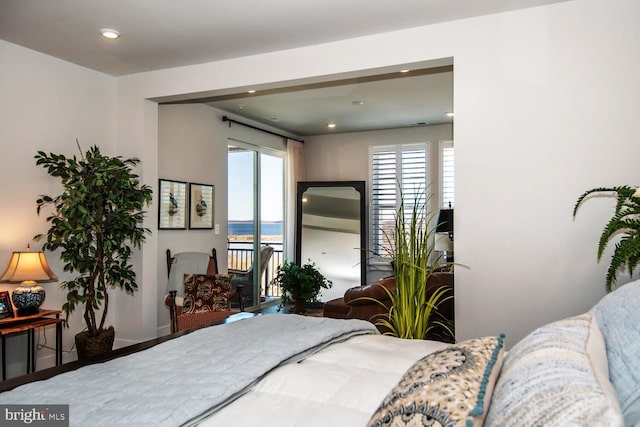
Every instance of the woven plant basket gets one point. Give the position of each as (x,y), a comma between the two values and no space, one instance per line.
(299,306)
(88,346)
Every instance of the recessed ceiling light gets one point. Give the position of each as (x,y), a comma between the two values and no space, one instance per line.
(251,91)
(357,102)
(331,125)
(405,70)
(450,114)
(110,34)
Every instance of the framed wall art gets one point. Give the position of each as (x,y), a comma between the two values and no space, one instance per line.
(6,310)
(201,205)
(172,207)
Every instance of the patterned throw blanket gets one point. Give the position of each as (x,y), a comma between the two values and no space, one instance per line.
(182,381)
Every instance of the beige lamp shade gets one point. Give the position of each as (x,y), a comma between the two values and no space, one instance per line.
(443,243)
(28,268)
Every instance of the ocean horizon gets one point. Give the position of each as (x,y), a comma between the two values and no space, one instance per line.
(245,228)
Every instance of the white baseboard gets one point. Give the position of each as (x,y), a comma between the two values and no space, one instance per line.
(164,330)
(19,368)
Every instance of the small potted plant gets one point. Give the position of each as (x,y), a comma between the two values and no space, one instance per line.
(95,221)
(301,285)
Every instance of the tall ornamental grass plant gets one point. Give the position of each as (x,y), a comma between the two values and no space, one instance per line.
(412,314)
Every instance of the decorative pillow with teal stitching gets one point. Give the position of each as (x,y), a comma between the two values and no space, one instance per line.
(451,387)
(556,376)
(618,315)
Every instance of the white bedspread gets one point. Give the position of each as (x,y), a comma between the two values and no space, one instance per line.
(340,386)
(181,380)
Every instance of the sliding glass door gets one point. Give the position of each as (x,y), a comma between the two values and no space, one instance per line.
(255,220)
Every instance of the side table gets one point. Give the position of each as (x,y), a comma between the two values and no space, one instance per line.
(28,324)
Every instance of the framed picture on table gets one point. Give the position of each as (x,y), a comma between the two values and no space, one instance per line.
(201,206)
(172,206)
(6,310)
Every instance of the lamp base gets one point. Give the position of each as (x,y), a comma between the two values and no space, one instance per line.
(28,299)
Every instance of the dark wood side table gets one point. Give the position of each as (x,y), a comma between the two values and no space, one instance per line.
(28,324)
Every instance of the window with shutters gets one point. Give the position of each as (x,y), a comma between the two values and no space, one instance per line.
(446,174)
(395,168)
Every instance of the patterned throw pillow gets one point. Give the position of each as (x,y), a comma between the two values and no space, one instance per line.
(451,387)
(204,293)
(556,377)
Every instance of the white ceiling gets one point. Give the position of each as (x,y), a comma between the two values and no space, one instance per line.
(408,100)
(170,33)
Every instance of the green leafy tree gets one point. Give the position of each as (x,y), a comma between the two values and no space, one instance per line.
(94,223)
(625,222)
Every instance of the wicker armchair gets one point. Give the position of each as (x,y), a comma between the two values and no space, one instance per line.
(195,263)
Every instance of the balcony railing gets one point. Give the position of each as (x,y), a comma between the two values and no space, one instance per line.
(240,257)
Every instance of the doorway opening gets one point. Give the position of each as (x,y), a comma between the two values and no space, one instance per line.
(255,237)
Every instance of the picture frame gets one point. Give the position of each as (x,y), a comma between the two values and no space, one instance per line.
(201,206)
(6,309)
(172,205)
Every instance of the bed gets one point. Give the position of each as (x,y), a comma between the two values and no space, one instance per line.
(290,370)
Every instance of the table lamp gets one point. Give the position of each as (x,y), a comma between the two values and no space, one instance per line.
(445,225)
(445,245)
(28,268)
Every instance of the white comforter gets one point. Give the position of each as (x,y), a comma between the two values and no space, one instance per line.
(341,385)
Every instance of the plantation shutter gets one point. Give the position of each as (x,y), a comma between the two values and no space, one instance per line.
(447,174)
(383,197)
(394,167)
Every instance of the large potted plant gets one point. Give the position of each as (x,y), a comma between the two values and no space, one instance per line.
(301,285)
(411,248)
(95,222)
(625,223)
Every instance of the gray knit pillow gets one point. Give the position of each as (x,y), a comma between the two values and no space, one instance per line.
(556,376)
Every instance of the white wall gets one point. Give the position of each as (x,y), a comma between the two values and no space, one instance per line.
(545,100)
(546,103)
(46,103)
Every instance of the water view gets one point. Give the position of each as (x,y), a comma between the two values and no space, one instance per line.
(245,228)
